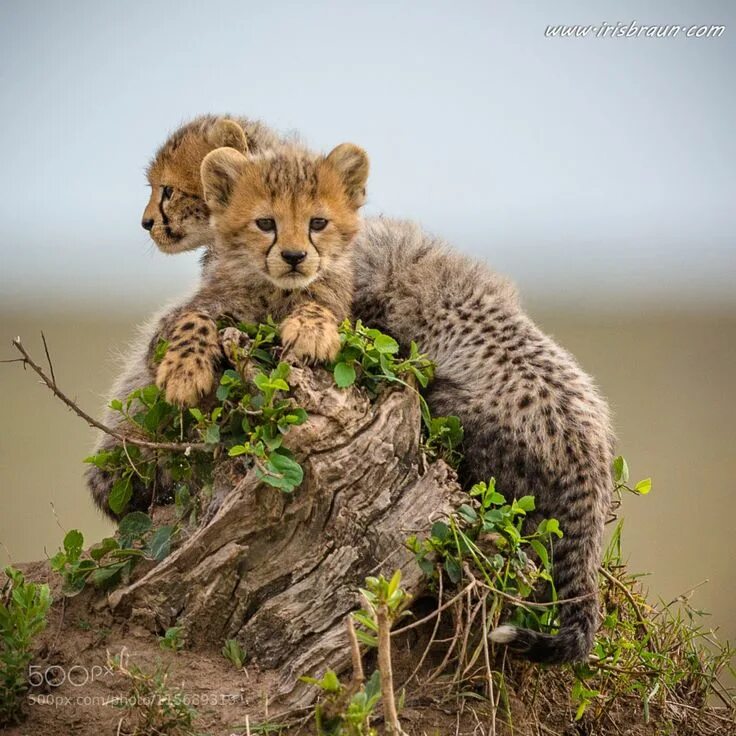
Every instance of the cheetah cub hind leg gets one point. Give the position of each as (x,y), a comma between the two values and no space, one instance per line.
(310,334)
(187,372)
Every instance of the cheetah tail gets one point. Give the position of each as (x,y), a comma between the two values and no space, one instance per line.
(575,572)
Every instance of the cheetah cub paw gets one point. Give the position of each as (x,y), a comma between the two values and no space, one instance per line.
(187,372)
(311,337)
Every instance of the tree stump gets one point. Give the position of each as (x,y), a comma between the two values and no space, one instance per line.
(280,572)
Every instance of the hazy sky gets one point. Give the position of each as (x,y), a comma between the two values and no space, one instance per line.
(591,170)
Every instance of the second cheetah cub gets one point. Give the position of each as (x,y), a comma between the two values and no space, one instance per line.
(284,222)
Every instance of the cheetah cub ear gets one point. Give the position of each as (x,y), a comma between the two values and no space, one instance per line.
(227,133)
(351,164)
(220,170)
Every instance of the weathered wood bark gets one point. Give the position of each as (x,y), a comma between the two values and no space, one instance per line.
(280,573)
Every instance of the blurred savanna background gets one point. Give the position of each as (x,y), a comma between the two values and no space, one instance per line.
(599,173)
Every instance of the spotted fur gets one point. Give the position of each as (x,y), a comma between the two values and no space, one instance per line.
(532,417)
(251,276)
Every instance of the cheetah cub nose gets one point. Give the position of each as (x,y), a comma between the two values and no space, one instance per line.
(147,224)
(293,257)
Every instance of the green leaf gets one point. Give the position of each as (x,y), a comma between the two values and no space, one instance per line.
(365,620)
(105,576)
(197,414)
(230,377)
(620,470)
(100,550)
(296,417)
(236,450)
(386,344)
(273,443)
(212,435)
(643,486)
(367,639)
(440,531)
(526,503)
(160,544)
(453,569)
(284,472)
(150,394)
(330,683)
(550,526)
(373,686)
(116,405)
(344,374)
(73,544)
(73,585)
(154,416)
(135,524)
(468,513)
(102,459)
(120,494)
(160,351)
(58,561)
(182,497)
(541,551)
(426,566)
(394,583)
(281,371)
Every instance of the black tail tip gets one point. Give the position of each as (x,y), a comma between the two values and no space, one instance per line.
(571,645)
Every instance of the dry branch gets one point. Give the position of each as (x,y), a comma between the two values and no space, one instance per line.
(50,382)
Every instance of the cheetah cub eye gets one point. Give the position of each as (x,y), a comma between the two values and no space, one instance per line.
(266,224)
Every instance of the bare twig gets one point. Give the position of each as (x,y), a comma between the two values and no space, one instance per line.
(436,612)
(526,605)
(48,358)
(51,383)
(358,676)
(391,715)
(61,623)
(456,635)
(489,673)
(643,624)
(431,638)
(132,464)
(683,597)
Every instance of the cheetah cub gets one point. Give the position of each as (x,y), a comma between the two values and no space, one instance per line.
(284,222)
(176,215)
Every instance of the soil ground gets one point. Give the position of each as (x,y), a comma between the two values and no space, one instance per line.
(82,695)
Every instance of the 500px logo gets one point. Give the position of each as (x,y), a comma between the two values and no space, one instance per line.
(77,675)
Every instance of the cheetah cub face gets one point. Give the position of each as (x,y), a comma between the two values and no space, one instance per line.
(286,216)
(176,215)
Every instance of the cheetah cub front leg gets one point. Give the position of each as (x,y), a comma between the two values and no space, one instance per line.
(310,334)
(187,372)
